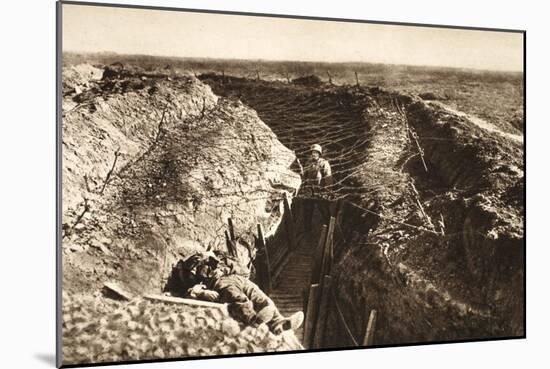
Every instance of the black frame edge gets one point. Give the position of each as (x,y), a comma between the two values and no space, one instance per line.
(525,184)
(58,166)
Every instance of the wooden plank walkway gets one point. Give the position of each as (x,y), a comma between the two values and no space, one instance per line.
(294,278)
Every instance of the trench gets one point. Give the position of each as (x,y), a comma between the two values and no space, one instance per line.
(301,116)
(428,280)
(425,287)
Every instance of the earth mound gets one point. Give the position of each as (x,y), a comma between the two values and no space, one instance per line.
(153,166)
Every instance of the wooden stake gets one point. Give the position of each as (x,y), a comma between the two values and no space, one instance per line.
(327,250)
(424,214)
(414,136)
(108,177)
(311,314)
(289,219)
(318,261)
(371,325)
(323,312)
(231,229)
(329,77)
(305,297)
(338,207)
(232,242)
(228,243)
(267,267)
(356,79)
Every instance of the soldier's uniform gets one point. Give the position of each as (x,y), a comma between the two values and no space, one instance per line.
(246,301)
(317,176)
(316,188)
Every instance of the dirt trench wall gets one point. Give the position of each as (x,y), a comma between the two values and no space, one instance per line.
(456,275)
(488,169)
(162,163)
(467,284)
(425,286)
(410,308)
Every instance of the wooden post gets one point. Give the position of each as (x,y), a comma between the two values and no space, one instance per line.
(311,314)
(329,77)
(420,151)
(356,79)
(318,261)
(267,285)
(424,214)
(371,325)
(323,312)
(327,249)
(232,242)
(257,75)
(259,264)
(228,243)
(305,296)
(338,208)
(289,219)
(231,229)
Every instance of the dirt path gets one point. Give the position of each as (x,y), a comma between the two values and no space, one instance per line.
(296,275)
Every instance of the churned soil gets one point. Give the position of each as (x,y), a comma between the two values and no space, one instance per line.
(153,166)
(100,330)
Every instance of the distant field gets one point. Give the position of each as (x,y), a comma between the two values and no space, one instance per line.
(496,97)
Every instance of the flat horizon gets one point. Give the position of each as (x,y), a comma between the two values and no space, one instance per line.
(291,61)
(131,31)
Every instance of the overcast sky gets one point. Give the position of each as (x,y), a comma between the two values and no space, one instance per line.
(171,33)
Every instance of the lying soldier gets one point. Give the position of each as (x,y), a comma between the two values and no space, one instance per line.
(247,302)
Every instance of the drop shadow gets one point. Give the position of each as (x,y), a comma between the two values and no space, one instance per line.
(46,358)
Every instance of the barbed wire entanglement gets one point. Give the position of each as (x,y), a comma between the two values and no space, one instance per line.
(340,119)
(333,119)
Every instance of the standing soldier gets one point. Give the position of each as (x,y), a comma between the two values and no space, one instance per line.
(317,178)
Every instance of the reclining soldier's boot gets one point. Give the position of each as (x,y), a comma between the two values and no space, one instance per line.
(292,322)
(264,315)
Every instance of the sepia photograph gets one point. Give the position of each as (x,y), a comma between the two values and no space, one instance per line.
(238,184)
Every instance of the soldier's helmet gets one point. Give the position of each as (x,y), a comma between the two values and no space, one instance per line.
(317,148)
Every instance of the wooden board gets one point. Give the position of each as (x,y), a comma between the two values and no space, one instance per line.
(327,249)
(319,334)
(113,287)
(267,285)
(311,314)
(317,262)
(189,302)
(289,222)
